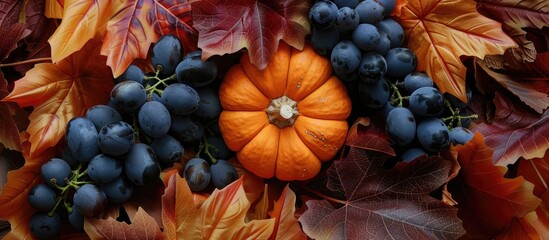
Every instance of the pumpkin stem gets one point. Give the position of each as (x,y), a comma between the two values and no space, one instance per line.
(282,112)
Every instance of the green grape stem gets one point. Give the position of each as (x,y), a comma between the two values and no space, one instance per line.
(454,120)
(76,180)
(399,98)
(206,147)
(150,89)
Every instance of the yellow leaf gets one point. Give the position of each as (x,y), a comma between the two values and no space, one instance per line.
(286,226)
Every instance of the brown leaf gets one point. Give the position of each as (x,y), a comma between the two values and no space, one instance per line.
(142,226)
(488,201)
(10,36)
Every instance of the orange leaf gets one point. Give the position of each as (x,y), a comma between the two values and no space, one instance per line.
(54,9)
(221,216)
(488,201)
(286,225)
(142,226)
(14,205)
(58,92)
(81,21)
(440,31)
(398,7)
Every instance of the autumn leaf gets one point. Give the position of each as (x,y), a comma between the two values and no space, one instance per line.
(514,132)
(58,92)
(255,25)
(488,201)
(441,31)
(383,203)
(14,205)
(221,216)
(142,226)
(516,16)
(286,225)
(10,136)
(398,7)
(10,36)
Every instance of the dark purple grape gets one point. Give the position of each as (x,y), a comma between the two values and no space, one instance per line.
(386,109)
(167,53)
(460,135)
(323,14)
(116,138)
(345,57)
(118,191)
(372,67)
(76,219)
(101,115)
(180,99)
(433,134)
(209,106)
(370,11)
(388,5)
(384,44)
(324,40)
(347,19)
(195,72)
(456,102)
(400,62)
(154,119)
(132,73)
(167,149)
(43,226)
(346,3)
(366,36)
(128,96)
(90,201)
(141,165)
(223,151)
(401,126)
(223,174)
(347,77)
(426,102)
(56,172)
(103,168)
(394,31)
(197,173)
(42,197)
(82,139)
(373,95)
(416,80)
(411,154)
(186,129)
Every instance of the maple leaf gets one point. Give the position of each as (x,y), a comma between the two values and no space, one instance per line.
(383,203)
(58,92)
(440,31)
(142,226)
(514,132)
(516,16)
(488,201)
(10,136)
(221,216)
(14,205)
(10,36)
(286,225)
(255,25)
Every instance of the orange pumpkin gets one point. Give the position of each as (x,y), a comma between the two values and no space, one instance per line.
(287,119)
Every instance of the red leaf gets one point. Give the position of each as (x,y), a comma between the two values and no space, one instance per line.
(58,92)
(488,201)
(255,25)
(383,203)
(10,36)
(515,132)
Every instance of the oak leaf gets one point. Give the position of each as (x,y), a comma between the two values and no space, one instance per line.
(382,203)
(60,91)
(514,132)
(488,202)
(255,25)
(441,31)
(221,216)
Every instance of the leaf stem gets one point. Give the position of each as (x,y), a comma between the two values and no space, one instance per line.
(322,195)
(35,60)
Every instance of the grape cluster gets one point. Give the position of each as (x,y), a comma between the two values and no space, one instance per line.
(365,47)
(149,121)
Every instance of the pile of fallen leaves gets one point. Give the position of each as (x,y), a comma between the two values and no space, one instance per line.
(60,57)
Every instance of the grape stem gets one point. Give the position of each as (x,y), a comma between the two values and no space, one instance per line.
(205,146)
(75,182)
(154,88)
(456,117)
(399,96)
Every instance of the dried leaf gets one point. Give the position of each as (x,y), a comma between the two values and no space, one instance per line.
(142,226)
(255,25)
(440,31)
(396,201)
(376,140)
(398,7)
(286,225)
(10,36)
(515,132)
(58,92)
(221,216)
(488,201)
(54,8)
